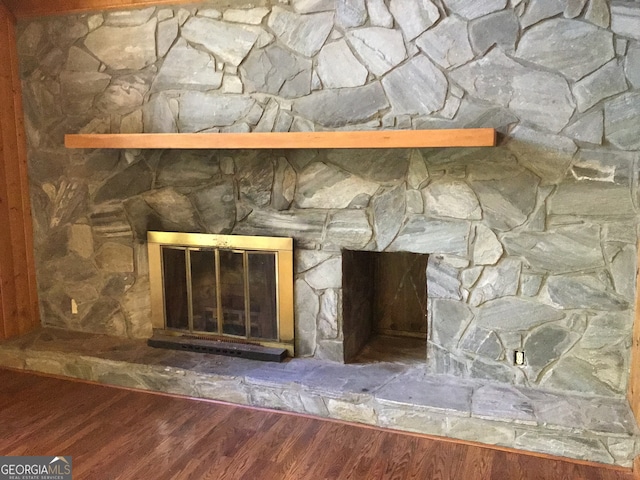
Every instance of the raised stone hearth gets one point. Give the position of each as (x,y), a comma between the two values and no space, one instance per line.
(529,246)
(392,395)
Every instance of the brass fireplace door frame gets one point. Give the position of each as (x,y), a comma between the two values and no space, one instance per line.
(281,247)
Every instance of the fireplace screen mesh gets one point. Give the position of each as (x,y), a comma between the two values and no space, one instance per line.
(223,285)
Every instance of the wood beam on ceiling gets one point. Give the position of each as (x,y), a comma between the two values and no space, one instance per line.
(471,137)
(40,8)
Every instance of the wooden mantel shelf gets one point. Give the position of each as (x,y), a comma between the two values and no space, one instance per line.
(471,137)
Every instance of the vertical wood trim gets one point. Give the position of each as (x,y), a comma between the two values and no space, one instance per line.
(9,300)
(26,222)
(634,377)
(17,273)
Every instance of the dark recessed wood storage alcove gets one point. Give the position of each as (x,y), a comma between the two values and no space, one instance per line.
(384,306)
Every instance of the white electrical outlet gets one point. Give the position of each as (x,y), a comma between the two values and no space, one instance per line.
(74,307)
(518,357)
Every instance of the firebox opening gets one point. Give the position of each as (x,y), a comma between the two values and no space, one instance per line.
(223,288)
(384,306)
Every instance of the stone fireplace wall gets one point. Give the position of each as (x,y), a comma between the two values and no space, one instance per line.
(532,244)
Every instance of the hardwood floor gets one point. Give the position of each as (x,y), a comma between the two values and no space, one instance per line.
(121,434)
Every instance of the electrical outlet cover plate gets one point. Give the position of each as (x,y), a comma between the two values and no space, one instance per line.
(518,357)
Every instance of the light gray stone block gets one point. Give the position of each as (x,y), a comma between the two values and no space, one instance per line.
(605,82)
(507,203)
(622,121)
(622,259)
(278,71)
(174,207)
(530,93)
(157,116)
(167,34)
(388,167)
(351,13)
(624,19)
(411,419)
(447,43)
(632,64)
(325,186)
(531,99)
(187,68)
(414,16)
(339,107)
(476,9)
(388,213)
(568,248)
(307,306)
(573,48)
(381,49)
(128,18)
(422,234)
(313,6)
(587,128)
(598,13)
(230,43)
(337,67)
(327,274)
(574,446)
(541,9)
(583,291)
(515,314)
(123,48)
(607,329)
(379,14)
(473,430)
(442,279)
(304,226)
(328,314)
(441,394)
(418,173)
(450,319)
(304,34)
(589,198)
(451,198)
(499,281)
(493,402)
(500,28)
(185,168)
(200,111)
(545,345)
(574,8)
(417,87)
(251,16)
(348,229)
(78,60)
(216,206)
(487,249)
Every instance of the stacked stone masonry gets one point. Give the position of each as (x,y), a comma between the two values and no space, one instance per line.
(384,394)
(532,244)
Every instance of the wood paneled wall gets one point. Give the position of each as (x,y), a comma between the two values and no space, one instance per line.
(18,297)
(634,377)
(37,8)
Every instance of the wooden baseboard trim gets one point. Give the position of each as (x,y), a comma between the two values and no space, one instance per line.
(636,465)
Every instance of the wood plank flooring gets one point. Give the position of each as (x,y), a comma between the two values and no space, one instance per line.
(121,434)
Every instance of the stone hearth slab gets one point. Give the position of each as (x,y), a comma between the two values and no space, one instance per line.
(392,395)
